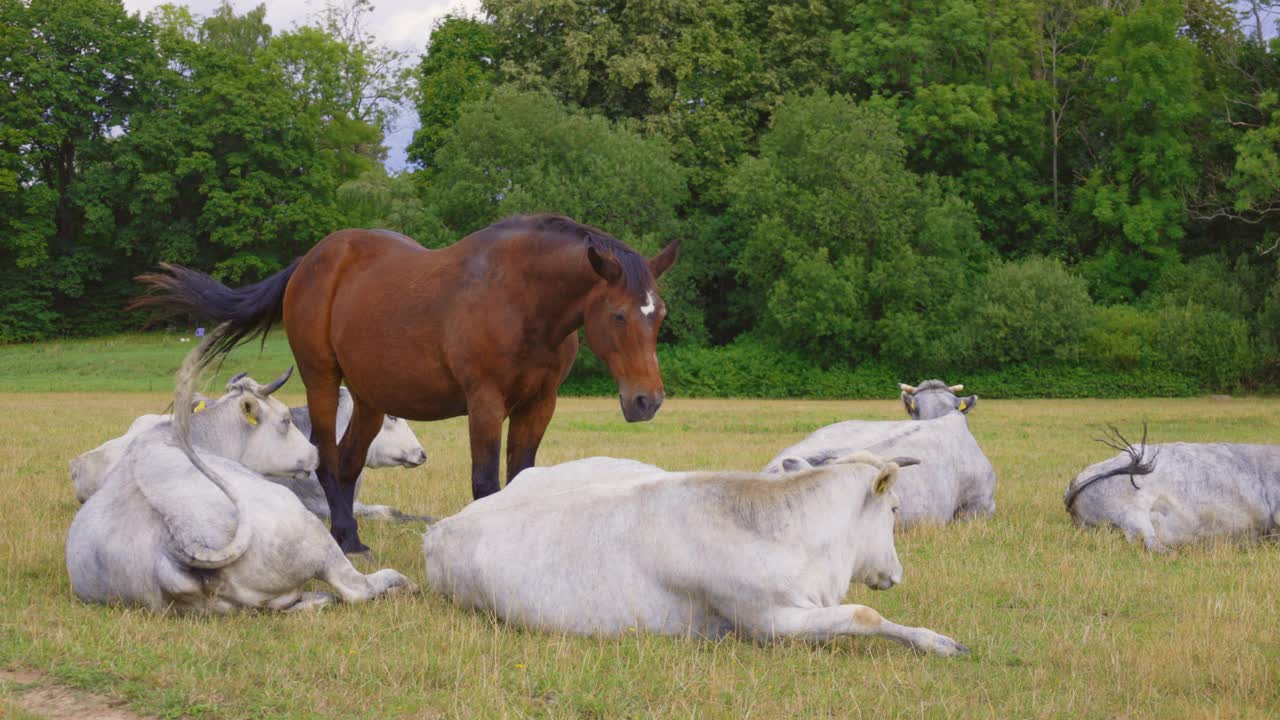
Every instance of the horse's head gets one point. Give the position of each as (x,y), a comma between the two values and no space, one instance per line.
(622,319)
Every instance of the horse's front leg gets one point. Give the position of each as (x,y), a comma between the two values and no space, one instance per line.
(528,424)
(366,422)
(485,413)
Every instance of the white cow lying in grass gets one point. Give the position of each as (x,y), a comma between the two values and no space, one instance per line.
(199,530)
(395,445)
(603,546)
(89,468)
(955,479)
(1180,493)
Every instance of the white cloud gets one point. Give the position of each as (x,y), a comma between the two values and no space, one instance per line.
(399,24)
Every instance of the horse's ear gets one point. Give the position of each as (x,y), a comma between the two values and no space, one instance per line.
(661,262)
(606,266)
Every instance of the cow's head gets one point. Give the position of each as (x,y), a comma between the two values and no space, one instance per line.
(622,318)
(876,561)
(395,445)
(254,429)
(933,399)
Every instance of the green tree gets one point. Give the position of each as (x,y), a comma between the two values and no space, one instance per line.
(693,71)
(1149,91)
(459,67)
(844,250)
(76,72)
(961,75)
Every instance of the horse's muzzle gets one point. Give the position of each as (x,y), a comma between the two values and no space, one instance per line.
(642,406)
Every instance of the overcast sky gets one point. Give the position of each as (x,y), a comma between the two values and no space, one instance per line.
(400,24)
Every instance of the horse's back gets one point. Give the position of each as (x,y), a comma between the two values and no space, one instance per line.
(356,245)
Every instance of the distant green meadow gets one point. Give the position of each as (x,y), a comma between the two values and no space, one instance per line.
(1061,621)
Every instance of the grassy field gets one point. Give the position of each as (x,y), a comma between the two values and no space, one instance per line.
(128,363)
(1062,622)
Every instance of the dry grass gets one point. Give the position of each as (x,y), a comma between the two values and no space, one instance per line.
(1062,622)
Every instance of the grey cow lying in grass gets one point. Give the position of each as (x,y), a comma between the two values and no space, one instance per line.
(185,521)
(1180,493)
(394,446)
(954,480)
(604,546)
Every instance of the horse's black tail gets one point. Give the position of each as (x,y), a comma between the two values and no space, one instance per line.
(1139,463)
(249,311)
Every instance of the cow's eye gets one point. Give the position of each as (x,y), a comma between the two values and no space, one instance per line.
(619,317)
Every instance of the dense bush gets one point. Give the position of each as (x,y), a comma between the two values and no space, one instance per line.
(749,368)
(1029,310)
(1120,339)
(1204,343)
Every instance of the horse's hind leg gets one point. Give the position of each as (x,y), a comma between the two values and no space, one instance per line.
(322,405)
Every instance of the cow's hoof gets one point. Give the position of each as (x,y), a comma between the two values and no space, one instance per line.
(946,647)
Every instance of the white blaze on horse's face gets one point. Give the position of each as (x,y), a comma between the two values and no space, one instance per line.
(649,305)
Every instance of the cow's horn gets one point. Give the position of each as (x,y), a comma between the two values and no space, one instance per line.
(906,461)
(956,388)
(274,385)
(907,388)
(234,378)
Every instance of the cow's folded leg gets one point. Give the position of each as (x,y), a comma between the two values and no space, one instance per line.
(354,587)
(310,601)
(824,623)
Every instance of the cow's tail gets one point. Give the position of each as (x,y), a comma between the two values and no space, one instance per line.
(246,312)
(1139,463)
(188,375)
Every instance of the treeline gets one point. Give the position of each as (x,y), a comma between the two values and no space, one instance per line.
(1003,188)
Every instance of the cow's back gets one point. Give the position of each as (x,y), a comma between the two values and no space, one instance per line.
(114,545)
(1194,491)
(600,559)
(955,478)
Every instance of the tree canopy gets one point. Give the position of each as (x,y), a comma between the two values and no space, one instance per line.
(935,185)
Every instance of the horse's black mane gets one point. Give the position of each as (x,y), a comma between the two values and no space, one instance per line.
(636,276)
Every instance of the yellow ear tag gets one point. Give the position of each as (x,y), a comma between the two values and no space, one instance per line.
(199,406)
(249,418)
(963,405)
(913,404)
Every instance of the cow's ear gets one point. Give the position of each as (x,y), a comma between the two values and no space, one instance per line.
(249,409)
(884,481)
(966,404)
(909,402)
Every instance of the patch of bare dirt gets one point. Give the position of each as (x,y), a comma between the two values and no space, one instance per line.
(38,694)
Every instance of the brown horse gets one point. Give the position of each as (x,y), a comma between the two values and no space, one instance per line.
(486,328)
